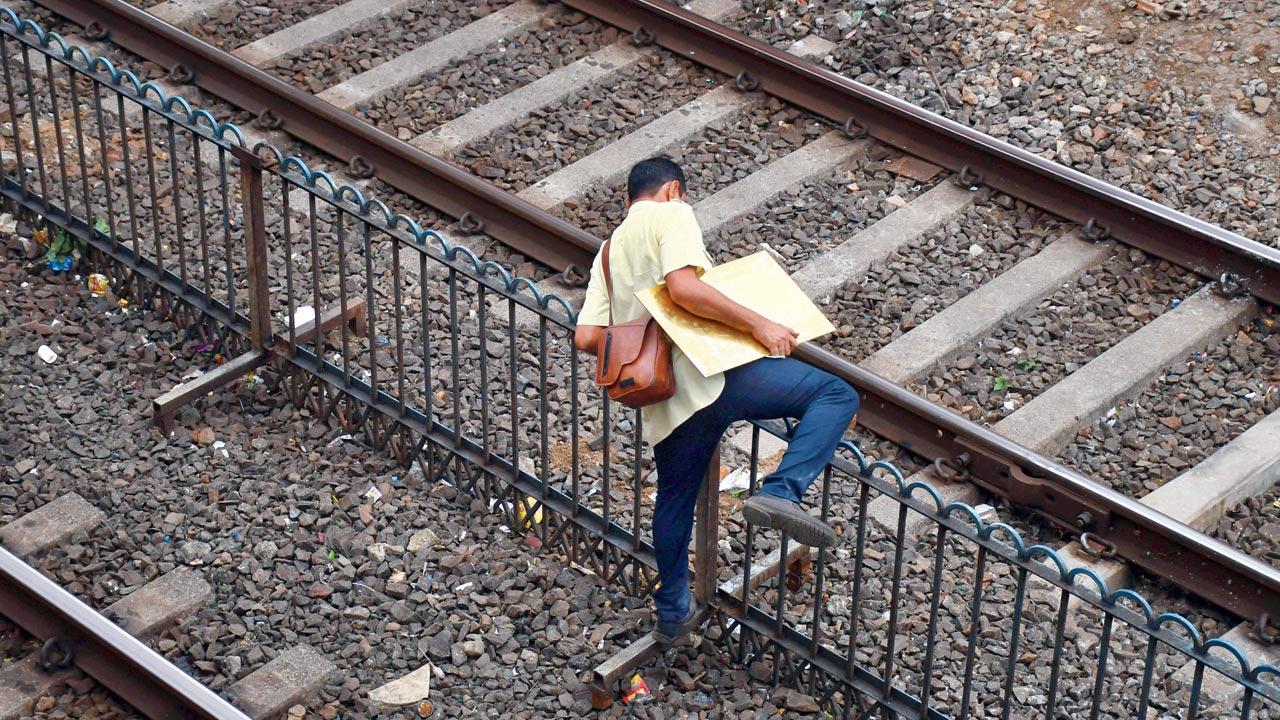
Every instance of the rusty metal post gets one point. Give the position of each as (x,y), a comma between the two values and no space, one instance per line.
(255,247)
(706,534)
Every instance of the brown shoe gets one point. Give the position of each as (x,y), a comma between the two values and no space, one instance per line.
(787,516)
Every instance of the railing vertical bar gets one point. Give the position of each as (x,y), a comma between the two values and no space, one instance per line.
(33,107)
(52,81)
(454,333)
(131,197)
(1197,682)
(1104,648)
(1148,668)
(202,219)
(72,74)
(174,186)
(895,602)
(313,219)
(750,532)
(372,337)
(855,605)
(151,186)
(819,582)
(637,482)
(780,606)
(286,245)
(931,635)
(1015,632)
(606,452)
(397,292)
(20,165)
(1055,665)
(108,187)
(575,460)
(514,407)
(975,629)
(224,184)
(340,225)
(544,410)
(482,343)
(424,302)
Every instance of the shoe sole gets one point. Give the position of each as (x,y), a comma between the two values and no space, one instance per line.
(810,531)
(686,627)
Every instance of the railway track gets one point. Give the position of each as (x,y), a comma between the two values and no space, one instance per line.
(55,635)
(903,217)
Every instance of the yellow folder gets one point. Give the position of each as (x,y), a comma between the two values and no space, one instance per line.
(755,281)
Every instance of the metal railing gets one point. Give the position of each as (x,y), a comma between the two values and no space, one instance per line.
(448,360)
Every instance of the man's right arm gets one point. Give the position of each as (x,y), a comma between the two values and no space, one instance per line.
(691,293)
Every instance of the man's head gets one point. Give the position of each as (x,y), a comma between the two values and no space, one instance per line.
(657,178)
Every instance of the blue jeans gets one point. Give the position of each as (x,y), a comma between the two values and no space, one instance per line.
(769,388)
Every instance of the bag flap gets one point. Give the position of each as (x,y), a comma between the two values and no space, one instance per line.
(619,346)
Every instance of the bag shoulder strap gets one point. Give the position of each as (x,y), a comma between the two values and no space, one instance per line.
(608,277)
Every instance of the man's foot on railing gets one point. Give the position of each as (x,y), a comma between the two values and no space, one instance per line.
(787,516)
(668,632)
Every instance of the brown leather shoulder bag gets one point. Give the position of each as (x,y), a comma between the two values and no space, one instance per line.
(633,360)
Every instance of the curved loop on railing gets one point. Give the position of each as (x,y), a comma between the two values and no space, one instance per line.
(1132,595)
(1099,583)
(891,469)
(967,509)
(217,129)
(145,88)
(50,37)
(910,489)
(489,266)
(1230,648)
(133,80)
(1038,552)
(1192,633)
(1013,536)
(1255,675)
(107,64)
(71,55)
(373,203)
(858,455)
(172,100)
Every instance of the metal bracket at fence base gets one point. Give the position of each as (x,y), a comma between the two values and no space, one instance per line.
(168,404)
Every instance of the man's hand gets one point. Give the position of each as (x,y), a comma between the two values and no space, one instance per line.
(779,340)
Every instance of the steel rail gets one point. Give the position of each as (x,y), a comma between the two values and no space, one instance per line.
(438,183)
(1142,536)
(75,633)
(1106,209)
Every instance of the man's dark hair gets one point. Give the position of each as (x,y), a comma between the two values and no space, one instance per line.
(649,175)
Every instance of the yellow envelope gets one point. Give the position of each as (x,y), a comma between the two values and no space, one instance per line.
(755,281)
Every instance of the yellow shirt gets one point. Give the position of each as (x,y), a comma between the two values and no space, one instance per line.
(656,238)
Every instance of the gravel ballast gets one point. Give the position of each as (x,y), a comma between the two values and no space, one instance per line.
(1177,108)
(540,144)
(355,51)
(934,271)
(1036,349)
(1194,408)
(560,39)
(244,21)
